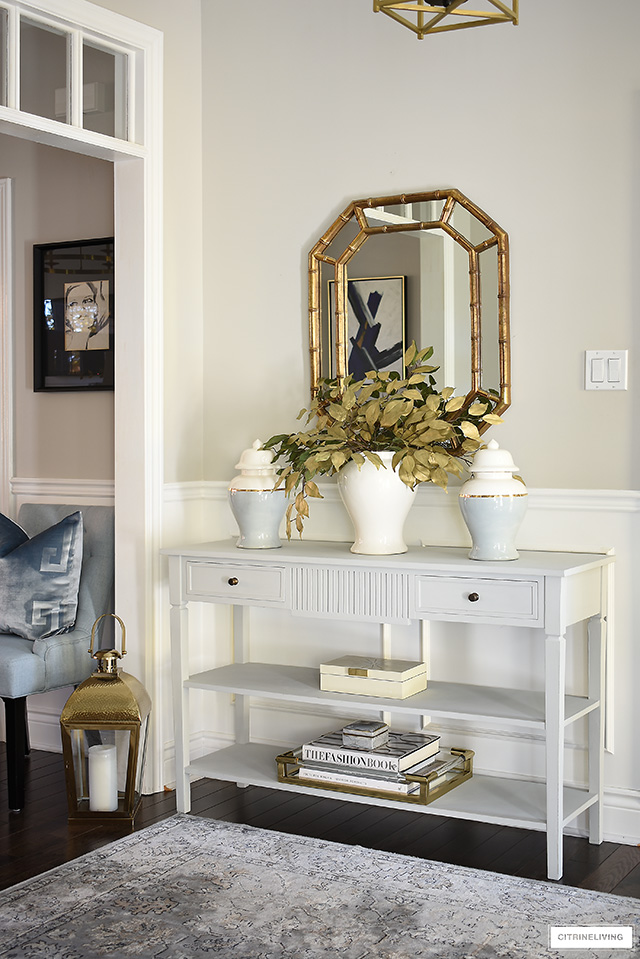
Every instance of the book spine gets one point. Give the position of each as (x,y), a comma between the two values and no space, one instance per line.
(357,758)
(363,782)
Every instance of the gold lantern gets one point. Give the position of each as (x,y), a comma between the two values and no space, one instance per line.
(104,727)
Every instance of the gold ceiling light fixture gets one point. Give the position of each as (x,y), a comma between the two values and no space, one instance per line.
(436,16)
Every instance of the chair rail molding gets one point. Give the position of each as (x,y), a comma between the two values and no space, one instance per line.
(86,492)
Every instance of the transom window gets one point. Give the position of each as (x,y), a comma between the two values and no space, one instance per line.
(51,69)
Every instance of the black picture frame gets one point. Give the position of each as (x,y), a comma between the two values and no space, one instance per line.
(73,315)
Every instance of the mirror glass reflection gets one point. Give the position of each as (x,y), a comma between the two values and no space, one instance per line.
(431,269)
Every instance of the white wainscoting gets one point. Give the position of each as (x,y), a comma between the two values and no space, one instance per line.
(573,520)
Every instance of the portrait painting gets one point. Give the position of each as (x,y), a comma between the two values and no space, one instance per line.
(74,315)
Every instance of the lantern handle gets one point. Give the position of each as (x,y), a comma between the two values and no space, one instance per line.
(124,632)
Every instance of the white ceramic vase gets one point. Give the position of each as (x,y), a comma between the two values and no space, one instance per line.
(378,503)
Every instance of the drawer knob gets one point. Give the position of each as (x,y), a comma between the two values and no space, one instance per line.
(473,597)
(233,581)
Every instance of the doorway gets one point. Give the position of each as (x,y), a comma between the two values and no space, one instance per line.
(138,433)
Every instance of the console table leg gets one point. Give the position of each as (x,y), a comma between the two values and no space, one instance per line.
(597,654)
(179,620)
(555,668)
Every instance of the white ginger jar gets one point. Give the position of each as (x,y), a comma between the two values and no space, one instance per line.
(256,505)
(493,504)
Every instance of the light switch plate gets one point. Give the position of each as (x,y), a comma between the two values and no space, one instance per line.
(605,370)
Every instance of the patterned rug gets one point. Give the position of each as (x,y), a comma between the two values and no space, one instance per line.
(190,888)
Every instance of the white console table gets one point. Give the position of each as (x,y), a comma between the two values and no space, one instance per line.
(546,590)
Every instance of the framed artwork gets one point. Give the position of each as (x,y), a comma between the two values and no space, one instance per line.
(375,324)
(73,315)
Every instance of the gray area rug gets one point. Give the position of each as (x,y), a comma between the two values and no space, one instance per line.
(189,888)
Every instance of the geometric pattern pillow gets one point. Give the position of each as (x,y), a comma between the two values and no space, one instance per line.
(40,578)
(11,535)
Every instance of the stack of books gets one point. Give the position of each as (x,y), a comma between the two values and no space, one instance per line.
(383,767)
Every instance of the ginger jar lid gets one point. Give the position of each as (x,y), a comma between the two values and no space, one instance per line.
(493,460)
(257,471)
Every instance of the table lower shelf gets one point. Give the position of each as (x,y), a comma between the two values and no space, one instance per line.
(509,802)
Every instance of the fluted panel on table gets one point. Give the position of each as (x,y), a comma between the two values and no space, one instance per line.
(380,595)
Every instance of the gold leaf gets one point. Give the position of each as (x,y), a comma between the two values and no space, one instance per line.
(439,477)
(477,409)
(492,418)
(372,412)
(455,404)
(470,430)
(337,412)
(392,413)
(410,355)
(374,458)
(312,490)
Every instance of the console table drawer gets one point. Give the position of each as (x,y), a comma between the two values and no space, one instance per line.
(230,583)
(491,600)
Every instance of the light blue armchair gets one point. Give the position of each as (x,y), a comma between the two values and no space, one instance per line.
(29,667)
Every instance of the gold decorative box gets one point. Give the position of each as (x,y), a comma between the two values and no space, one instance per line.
(386,678)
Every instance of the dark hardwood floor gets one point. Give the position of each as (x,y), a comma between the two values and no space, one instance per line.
(39,837)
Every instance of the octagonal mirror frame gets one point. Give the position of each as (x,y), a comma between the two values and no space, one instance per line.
(339,256)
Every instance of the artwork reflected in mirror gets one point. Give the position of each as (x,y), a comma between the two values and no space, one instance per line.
(452,259)
(375,324)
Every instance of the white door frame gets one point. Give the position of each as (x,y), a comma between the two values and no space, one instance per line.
(139,357)
(6,346)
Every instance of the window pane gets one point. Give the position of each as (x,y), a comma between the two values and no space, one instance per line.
(3,57)
(104,92)
(43,71)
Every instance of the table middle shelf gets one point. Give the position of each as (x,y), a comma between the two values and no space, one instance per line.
(444,700)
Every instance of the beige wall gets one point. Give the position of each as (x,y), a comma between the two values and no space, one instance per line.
(285,127)
(314,104)
(57,196)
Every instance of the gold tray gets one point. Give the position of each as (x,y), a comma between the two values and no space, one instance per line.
(432,786)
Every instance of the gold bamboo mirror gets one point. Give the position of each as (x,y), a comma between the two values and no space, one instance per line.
(426,267)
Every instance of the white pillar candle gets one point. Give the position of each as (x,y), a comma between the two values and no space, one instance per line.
(103,779)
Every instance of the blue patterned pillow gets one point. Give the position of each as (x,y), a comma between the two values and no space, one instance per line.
(11,535)
(40,578)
